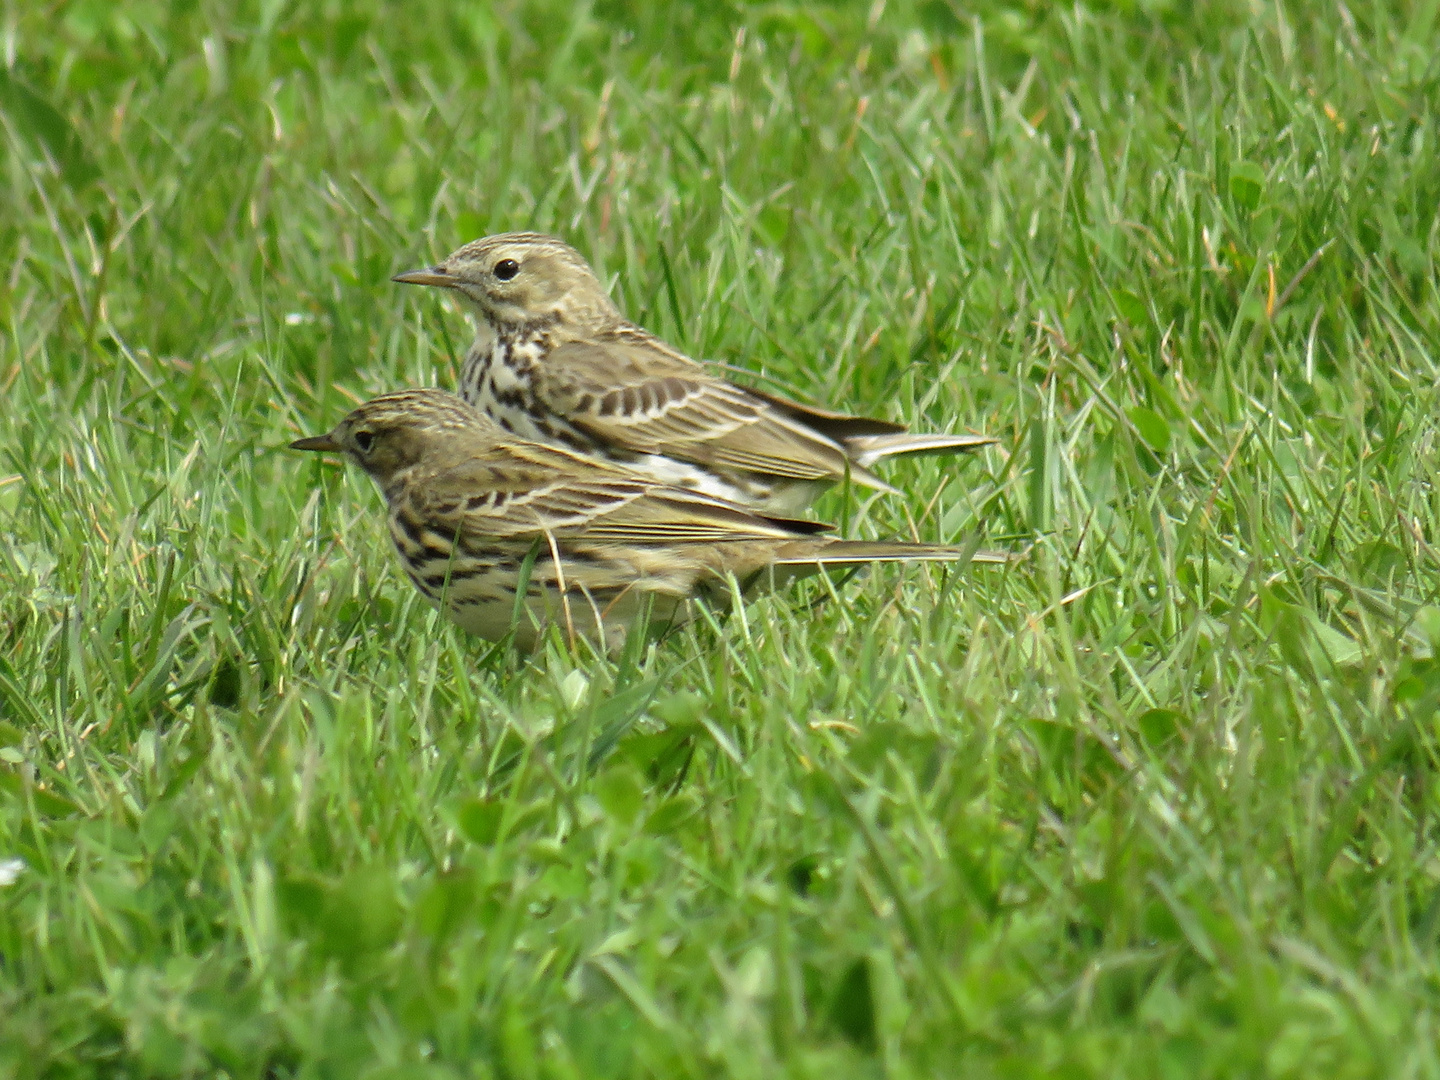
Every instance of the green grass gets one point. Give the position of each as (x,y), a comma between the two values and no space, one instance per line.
(1160,801)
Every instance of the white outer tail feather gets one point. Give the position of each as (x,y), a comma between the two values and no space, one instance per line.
(868,449)
(857,552)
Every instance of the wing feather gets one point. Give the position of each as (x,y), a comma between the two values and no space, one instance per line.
(630,390)
(519,491)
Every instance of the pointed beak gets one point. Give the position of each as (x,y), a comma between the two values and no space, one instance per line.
(436,275)
(323,443)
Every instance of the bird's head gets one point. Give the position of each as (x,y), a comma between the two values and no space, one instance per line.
(395,432)
(518,280)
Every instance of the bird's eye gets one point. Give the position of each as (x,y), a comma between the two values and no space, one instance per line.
(365,440)
(506,269)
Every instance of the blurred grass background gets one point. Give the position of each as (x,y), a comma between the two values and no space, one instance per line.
(1156,802)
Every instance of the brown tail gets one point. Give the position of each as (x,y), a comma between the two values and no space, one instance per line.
(868,449)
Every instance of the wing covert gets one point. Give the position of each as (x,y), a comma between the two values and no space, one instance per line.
(634,392)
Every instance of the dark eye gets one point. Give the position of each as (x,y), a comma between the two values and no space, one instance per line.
(364,440)
(506,269)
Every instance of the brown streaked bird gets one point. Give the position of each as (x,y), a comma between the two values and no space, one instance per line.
(554,360)
(473,511)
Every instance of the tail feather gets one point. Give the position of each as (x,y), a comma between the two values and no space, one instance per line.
(868,449)
(855,552)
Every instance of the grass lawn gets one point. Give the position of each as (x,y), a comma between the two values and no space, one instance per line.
(1161,800)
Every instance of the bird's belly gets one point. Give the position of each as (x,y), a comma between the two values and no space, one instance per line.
(605,625)
(479,595)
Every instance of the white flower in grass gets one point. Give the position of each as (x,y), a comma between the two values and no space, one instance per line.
(10,870)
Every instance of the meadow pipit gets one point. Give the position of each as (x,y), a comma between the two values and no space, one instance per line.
(474,512)
(555,361)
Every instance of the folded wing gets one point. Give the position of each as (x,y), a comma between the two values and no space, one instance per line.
(630,390)
(522,491)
